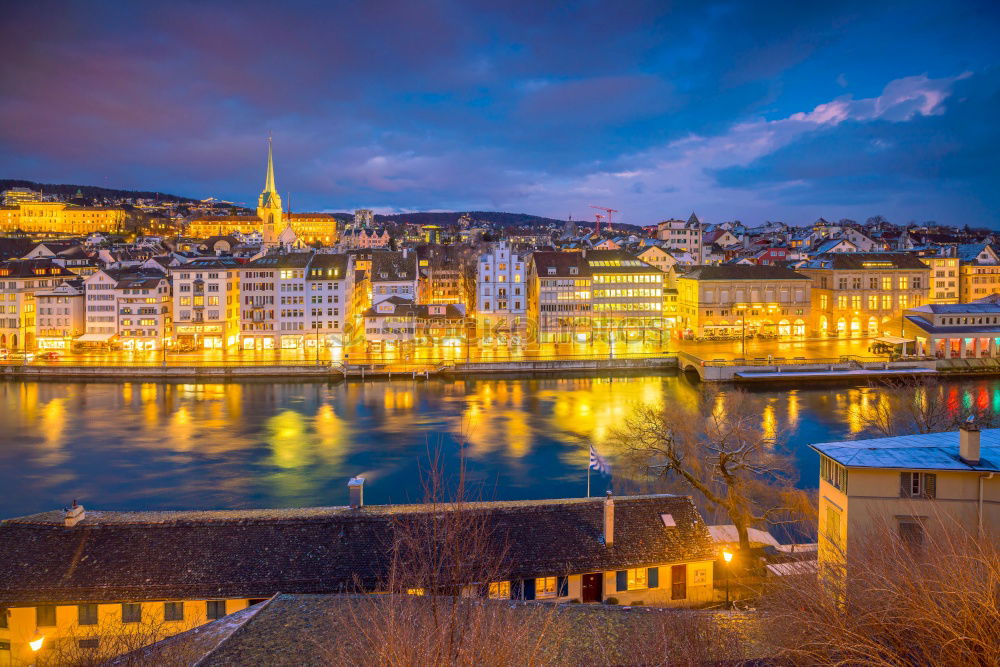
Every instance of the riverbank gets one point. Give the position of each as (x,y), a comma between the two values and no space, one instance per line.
(851,369)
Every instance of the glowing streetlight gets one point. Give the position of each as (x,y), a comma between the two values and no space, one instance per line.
(727,556)
(36,643)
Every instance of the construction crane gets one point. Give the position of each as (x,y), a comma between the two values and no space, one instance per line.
(609,211)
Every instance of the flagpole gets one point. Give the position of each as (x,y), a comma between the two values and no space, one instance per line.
(588,480)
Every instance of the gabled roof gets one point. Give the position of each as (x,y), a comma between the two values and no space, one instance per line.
(561,263)
(118,556)
(394,265)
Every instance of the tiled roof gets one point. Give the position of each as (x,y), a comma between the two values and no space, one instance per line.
(307,630)
(741,272)
(928,451)
(394,265)
(25,268)
(112,556)
(562,262)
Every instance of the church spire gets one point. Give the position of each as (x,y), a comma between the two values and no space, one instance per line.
(269,180)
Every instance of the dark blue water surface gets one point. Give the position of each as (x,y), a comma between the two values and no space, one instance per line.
(199,446)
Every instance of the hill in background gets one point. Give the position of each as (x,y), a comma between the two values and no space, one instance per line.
(67,191)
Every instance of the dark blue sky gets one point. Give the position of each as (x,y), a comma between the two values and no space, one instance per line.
(735,110)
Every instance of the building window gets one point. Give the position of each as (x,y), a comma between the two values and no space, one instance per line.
(917,485)
(45,615)
(833,473)
(911,531)
(545,587)
(500,590)
(833,525)
(131,612)
(93,642)
(678,582)
(173,611)
(216,608)
(637,579)
(87,614)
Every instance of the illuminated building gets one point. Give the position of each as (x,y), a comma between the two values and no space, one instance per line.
(207,303)
(915,484)
(15,196)
(20,280)
(60,316)
(393,274)
(60,218)
(440,274)
(501,294)
(864,293)
(979,271)
(626,296)
(955,330)
(396,321)
(559,296)
(130,308)
(733,300)
(270,219)
(293,300)
(944,279)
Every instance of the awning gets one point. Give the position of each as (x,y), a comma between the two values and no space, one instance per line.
(95,338)
(893,340)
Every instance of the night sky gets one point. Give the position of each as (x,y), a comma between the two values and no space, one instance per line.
(750,111)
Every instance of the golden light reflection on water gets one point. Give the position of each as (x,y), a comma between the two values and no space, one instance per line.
(211,437)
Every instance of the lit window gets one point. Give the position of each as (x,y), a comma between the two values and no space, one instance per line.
(415,591)
(637,578)
(500,590)
(545,587)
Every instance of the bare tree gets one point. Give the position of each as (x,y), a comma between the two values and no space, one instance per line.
(721,450)
(447,560)
(895,604)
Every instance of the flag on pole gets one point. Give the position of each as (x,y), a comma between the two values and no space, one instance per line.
(598,463)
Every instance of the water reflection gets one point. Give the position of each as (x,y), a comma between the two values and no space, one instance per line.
(147,445)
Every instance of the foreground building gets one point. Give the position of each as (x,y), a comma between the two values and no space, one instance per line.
(910,484)
(207,303)
(501,294)
(65,570)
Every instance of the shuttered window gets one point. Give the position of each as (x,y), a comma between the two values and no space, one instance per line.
(917,485)
(621,580)
(653,577)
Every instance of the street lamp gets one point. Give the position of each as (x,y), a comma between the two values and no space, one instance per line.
(36,643)
(727,556)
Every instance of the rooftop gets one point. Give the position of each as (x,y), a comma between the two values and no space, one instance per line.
(928,451)
(115,556)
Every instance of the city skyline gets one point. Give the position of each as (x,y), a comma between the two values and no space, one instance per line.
(734,112)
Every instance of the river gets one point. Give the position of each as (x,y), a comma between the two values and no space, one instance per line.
(199,446)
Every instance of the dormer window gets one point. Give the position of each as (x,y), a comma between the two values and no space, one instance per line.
(552,270)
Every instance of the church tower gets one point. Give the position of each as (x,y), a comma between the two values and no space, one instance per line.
(269,204)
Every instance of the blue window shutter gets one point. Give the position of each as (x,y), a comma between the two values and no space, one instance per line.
(529,589)
(621,580)
(653,577)
(562,587)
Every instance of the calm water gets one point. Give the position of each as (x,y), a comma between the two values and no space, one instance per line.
(160,446)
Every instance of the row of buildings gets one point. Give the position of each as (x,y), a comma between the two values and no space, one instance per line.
(57,296)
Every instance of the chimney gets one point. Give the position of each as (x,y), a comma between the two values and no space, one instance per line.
(356,491)
(968,443)
(609,520)
(74,515)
